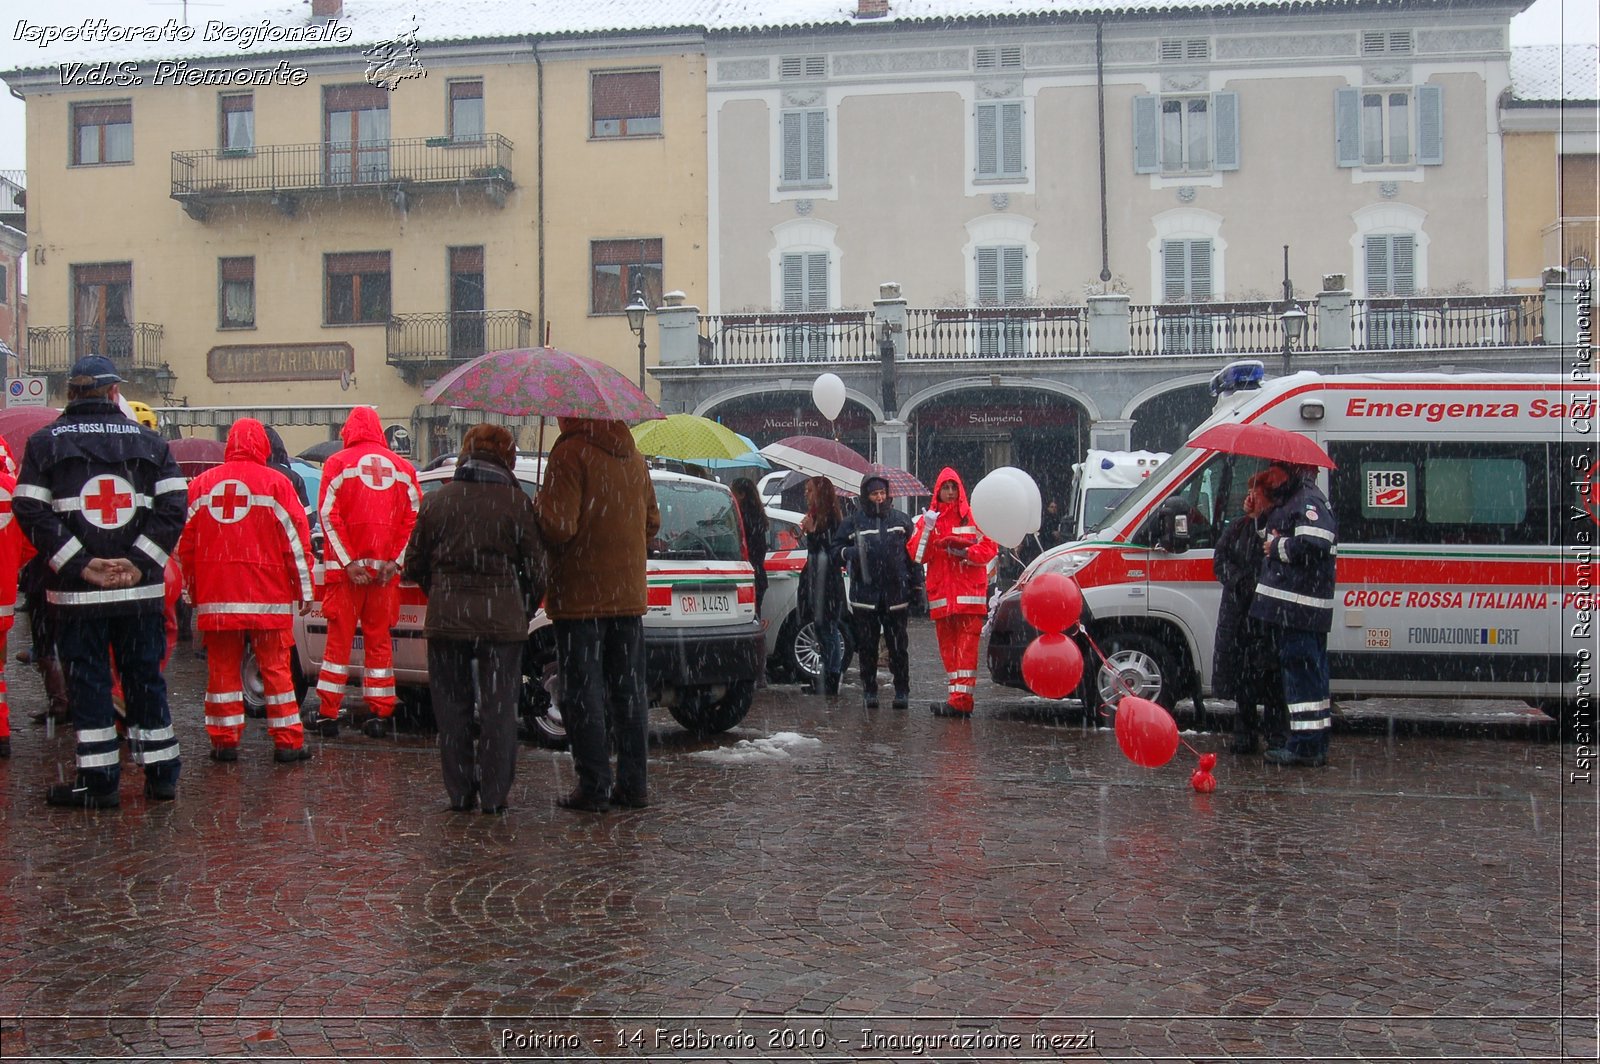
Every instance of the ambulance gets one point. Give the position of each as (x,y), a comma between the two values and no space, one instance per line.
(1100,481)
(1466,506)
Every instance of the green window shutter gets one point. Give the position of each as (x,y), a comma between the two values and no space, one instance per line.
(1200,269)
(988,263)
(1347,126)
(986,126)
(1404,273)
(1011,139)
(816,168)
(1146,135)
(1174,270)
(1013,286)
(791,125)
(794,282)
(1225,123)
(1377,265)
(1430,125)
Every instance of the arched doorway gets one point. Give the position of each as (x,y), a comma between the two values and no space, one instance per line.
(1163,422)
(771,416)
(1040,432)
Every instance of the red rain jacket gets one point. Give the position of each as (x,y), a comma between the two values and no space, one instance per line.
(246,549)
(955,585)
(15,550)
(368,500)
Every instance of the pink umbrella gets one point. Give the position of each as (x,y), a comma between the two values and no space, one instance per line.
(818,457)
(17,423)
(902,485)
(542,380)
(196,454)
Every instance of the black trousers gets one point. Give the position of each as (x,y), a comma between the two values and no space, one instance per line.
(137,643)
(892,622)
(601,661)
(476,684)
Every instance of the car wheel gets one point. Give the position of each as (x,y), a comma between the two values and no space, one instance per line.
(800,650)
(1145,664)
(538,717)
(713,709)
(255,692)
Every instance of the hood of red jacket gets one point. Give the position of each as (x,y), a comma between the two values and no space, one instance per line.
(962,509)
(247,442)
(362,426)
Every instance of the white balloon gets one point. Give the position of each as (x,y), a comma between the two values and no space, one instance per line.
(1033,501)
(999,506)
(827,391)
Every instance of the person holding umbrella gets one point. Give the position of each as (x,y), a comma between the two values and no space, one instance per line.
(1295,596)
(1245,665)
(957,556)
(822,581)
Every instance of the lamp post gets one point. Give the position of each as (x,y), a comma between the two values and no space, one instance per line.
(1293,321)
(636,314)
(166,381)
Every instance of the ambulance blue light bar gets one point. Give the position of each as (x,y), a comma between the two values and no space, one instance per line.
(1238,377)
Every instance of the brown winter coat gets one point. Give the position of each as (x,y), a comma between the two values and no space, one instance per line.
(597,512)
(476,553)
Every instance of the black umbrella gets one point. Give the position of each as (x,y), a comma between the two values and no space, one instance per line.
(321,452)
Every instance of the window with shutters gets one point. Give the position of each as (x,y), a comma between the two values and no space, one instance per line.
(356,288)
(466,111)
(236,293)
(356,130)
(1002,57)
(1390,126)
(1386,42)
(618,268)
(805,289)
(102,133)
(1186,273)
(1001,282)
(804,136)
(998,127)
(102,310)
(625,103)
(802,67)
(1391,270)
(1185,49)
(237,124)
(1186,134)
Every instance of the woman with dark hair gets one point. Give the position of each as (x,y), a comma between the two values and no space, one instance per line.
(1245,664)
(822,581)
(753,518)
(477,555)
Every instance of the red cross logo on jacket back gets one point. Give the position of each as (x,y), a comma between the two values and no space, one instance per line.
(107,502)
(228,501)
(377,472)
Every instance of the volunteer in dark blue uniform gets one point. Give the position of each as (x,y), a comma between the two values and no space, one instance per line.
(103,502)
(1295,596)
(872,545)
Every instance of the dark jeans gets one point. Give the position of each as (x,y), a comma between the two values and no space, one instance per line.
(893,624)
(476,684)
(137,643)
(1303,657)
(602,686)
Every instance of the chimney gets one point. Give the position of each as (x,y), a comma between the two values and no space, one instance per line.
(327,8)
(872,8)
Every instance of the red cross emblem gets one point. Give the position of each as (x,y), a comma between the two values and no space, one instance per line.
(377,472)
(107,502)
(228,501)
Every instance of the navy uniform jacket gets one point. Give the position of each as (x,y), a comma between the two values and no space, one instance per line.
(1296,585)
(873,547)
(95,484)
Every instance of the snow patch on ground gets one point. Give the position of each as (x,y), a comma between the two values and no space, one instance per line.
(775,747)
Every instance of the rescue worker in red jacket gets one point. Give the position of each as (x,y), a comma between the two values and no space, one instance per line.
(367,504)
(14,551)
(956,555)
(246,561)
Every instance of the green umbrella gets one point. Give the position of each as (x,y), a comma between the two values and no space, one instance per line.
(689,437)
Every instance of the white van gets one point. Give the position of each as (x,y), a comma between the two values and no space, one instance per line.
(704,646)
(1101,481)
(1467,526)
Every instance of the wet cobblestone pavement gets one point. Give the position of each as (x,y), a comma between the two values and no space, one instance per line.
(859,886)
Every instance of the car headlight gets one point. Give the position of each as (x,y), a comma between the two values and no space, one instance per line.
(1066,563)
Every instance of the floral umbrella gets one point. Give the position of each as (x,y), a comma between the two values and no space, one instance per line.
(818,457)
(902,485)
(543,381)
(690,437)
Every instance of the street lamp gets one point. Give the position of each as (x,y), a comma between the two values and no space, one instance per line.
(1293,321)
(636,313)
(166,381)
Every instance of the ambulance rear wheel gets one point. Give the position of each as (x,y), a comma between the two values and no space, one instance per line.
(1148,668)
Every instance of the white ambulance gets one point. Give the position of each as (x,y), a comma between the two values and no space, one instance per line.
(1101,481)
(1467,531)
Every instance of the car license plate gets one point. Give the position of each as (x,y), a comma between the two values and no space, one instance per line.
(705,603)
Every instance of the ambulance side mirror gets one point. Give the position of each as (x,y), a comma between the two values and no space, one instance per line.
(1172,525)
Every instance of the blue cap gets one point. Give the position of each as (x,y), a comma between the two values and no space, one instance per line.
(94,371)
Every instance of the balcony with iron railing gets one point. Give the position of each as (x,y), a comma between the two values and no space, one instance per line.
(425,345)
(1163,329)
(283,174)
(134,348)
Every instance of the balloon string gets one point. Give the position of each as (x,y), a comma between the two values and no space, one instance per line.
(1126,689)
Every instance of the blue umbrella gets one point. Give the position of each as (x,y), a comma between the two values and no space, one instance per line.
(752,457)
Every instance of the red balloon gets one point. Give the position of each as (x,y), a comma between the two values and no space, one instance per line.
(1203,781)
(1051,602)
(1146,732)
(1208,762)
(1052,666)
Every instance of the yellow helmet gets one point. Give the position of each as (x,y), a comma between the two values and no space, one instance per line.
(143,414)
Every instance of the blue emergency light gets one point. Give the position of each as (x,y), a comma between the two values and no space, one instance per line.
(1238,377)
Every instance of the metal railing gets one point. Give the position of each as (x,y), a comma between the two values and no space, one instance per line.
(1249,327)
(996,332)
(1387,323)
(785,337)
(455,336)
(284,168)
(131,347)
